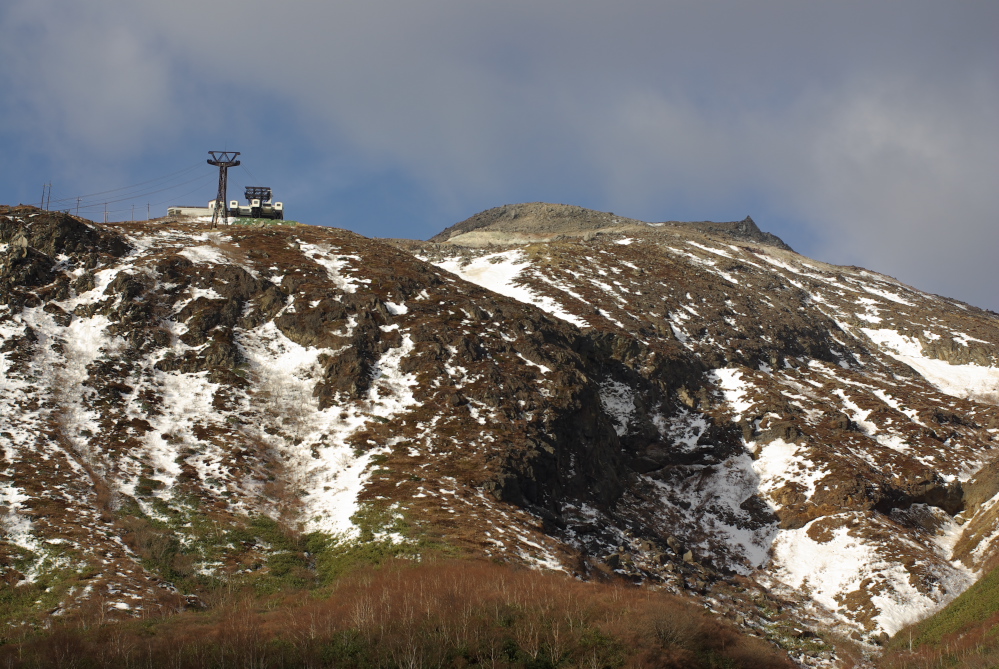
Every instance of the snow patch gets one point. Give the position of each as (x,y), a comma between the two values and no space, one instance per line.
(204,255)
(500,272)
(327,468)
(966,381)
(734,389)
(780,462)
(887,295)
(710,249)
(683,429)
(333,263)
(833,566)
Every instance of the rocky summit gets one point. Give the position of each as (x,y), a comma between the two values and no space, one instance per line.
(801,447)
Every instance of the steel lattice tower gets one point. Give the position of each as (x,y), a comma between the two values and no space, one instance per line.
(223,160)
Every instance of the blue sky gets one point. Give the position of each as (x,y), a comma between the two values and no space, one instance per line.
(861,132)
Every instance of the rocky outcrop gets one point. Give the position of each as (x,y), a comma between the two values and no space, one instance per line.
(744,230)
(542,221)
(56,233)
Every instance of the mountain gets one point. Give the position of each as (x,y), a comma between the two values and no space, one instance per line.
(806,449)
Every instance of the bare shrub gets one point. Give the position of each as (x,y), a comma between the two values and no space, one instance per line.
(441,614)
(676,626)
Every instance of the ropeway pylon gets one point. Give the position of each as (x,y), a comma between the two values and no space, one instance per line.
(223,160)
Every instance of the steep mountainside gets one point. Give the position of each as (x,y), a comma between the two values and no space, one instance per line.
(694,405)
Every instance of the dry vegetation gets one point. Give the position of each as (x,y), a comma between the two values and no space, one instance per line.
(978,649)
(446,614)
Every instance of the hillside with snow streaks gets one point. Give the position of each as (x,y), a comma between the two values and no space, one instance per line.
(175,381)
(690,405)
(865,462)
(147,413)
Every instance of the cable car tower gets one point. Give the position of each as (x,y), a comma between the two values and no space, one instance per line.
(223,160)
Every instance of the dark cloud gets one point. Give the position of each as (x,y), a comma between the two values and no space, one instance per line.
(869,125)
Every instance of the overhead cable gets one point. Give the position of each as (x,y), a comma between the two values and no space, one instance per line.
(115,190)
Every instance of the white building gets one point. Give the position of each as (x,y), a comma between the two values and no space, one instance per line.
(191,211)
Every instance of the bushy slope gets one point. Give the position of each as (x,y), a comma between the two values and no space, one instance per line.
(446,614)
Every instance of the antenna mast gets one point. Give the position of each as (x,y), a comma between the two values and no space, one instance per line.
(223,160)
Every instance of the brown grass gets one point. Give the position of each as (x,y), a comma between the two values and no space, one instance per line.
(447,614)
(973,648)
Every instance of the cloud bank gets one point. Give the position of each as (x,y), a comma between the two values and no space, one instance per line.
(861,132)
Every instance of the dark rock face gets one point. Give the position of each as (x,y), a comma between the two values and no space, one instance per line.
(55,233)
(37,240)
(26,267)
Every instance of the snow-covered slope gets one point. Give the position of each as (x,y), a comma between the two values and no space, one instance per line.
(686,405)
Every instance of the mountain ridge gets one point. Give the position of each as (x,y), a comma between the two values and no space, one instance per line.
(544,221)
(664,403)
